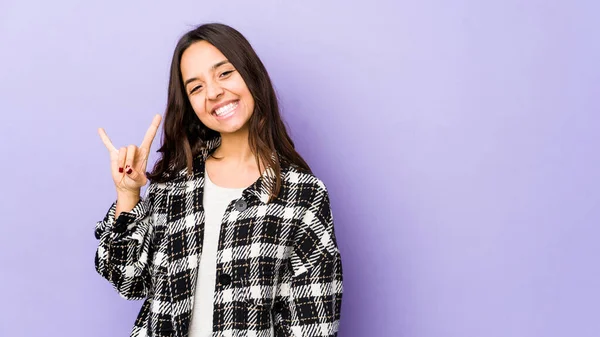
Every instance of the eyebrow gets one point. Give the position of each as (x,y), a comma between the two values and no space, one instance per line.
(215,66)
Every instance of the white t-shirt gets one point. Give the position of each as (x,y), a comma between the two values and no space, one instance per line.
(216,200)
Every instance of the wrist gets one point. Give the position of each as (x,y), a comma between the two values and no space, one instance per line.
(127,197)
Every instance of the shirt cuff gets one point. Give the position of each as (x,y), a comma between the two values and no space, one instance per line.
(120,225)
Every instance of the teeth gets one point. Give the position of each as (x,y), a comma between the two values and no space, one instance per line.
(226,109)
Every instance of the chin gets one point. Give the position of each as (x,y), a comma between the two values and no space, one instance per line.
(233,130)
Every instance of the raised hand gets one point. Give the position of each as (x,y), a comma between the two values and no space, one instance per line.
(128,164)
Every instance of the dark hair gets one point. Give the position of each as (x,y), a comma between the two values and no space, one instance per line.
(184,135)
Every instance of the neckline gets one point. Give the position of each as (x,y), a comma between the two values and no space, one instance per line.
(209,182)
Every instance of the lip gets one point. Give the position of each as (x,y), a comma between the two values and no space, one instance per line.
(214,109)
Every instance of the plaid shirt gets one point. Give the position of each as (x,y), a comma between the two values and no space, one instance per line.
(278,265)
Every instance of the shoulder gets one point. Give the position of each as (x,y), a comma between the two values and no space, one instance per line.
(305,182)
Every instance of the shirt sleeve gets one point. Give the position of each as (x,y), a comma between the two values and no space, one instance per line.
(309,305)
(123,248)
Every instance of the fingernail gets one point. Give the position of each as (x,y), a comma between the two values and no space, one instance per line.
(120,170)
(129,171)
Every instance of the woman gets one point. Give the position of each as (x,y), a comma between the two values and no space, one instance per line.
(234,236)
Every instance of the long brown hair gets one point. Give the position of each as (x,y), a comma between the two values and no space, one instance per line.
(184,135)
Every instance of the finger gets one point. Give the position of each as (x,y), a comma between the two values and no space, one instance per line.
(131,149)
(109,145)
(132,172)
(151,133)
(121,159)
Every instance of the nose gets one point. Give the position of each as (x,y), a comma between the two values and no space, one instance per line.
(213,90)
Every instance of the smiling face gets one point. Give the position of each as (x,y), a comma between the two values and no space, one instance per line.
(216,90)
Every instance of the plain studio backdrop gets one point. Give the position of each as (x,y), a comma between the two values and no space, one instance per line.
(458,139)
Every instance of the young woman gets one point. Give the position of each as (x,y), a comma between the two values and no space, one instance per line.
(234,235)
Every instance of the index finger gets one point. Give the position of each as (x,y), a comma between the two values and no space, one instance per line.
(151,133)
(109,145)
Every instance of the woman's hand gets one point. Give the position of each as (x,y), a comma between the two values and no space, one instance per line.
(128,164)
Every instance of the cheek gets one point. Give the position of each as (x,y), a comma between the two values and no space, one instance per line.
(198,105)
(250,104)
(248,99)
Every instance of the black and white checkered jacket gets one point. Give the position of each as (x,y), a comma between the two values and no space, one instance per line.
(277,262)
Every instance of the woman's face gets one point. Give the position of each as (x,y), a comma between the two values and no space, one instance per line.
(219,95)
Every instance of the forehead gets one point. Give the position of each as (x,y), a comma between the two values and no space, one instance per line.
(200,57)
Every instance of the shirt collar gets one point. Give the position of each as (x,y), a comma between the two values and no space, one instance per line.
(261,188)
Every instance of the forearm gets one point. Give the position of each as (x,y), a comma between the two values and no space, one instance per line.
(122,255)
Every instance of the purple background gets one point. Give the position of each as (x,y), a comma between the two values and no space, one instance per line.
(458,139)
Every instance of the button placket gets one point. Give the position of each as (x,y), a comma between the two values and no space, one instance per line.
(224,279)
(241,205)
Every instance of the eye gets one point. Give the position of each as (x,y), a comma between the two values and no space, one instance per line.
(196,88)
(226,73)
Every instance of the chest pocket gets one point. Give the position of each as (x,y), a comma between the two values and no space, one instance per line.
(159,270)
(160,211)
(267,253)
